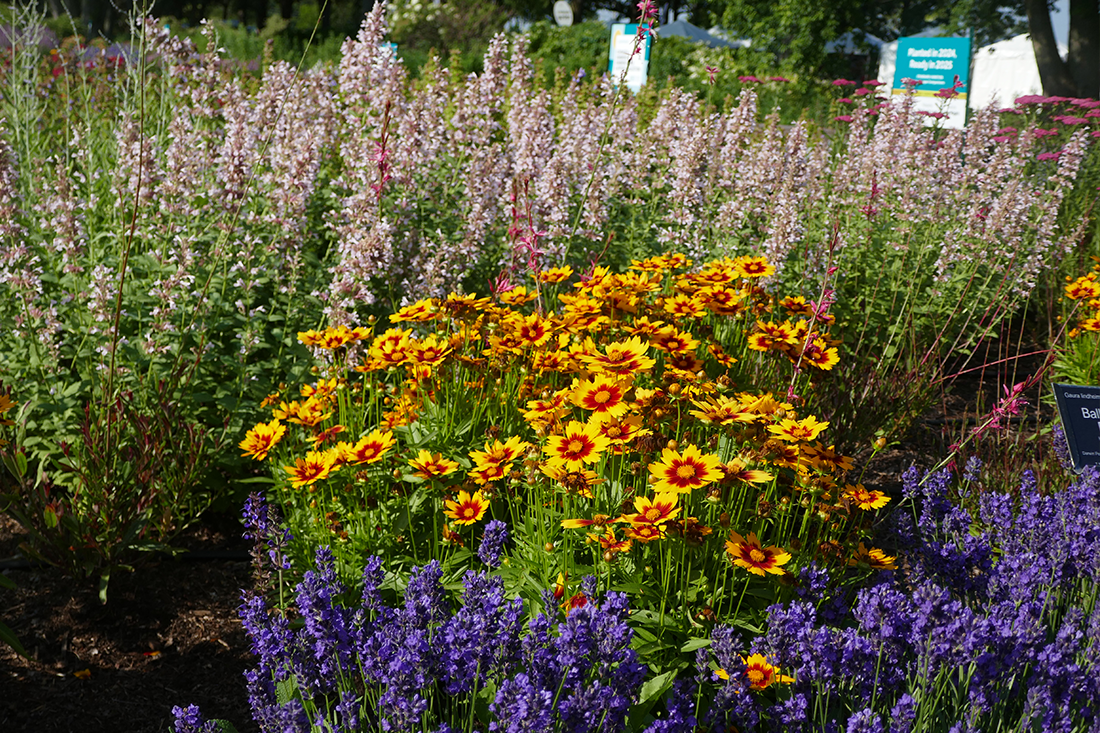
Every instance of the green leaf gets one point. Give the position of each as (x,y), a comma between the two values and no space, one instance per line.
(285,690)
(224,725)
(8,637)
(256,480)
(104,579)
(651,649)
(652,689)
(694,644)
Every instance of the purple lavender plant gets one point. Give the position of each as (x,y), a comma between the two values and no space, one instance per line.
(190,720)
(679,710)
(994,605)
(269,539)
(481,640)
(493,542)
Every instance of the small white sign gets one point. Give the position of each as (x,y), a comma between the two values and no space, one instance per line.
(624,37)
(563,13)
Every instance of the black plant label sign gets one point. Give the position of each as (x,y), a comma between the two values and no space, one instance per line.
(1079,408)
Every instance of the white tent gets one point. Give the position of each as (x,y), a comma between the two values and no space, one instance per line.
(1000,72)
(1003,71)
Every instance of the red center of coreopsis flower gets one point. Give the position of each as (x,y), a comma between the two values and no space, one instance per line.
(367,452)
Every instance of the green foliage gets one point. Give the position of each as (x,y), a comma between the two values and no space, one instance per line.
(134,477)
(793,33)
(567,50)
(127,349)
(677,62)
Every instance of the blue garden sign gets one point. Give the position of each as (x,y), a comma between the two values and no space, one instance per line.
(938,72)
(1079,408)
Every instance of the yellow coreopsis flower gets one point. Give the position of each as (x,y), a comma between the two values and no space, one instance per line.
(761,674)
(260,439)
(368,449)
(432,465)
(621,358)
(579,444)
(865,498)
(874,558)
(658,510)
(748,554)
(753,267)
(681,472)
(6,404)
(555,275)
(315,466)
(421,310)
(467,509)
(604,396)
(499,454)
(798,431)
(1083,287)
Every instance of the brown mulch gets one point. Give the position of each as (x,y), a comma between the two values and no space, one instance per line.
(168,635)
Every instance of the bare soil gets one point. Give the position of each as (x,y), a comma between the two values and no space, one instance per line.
(168,635)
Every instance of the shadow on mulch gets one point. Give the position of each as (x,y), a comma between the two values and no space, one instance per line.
(168,635)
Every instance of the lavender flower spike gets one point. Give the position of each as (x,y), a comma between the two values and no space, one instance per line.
(190,720)
(493,542)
